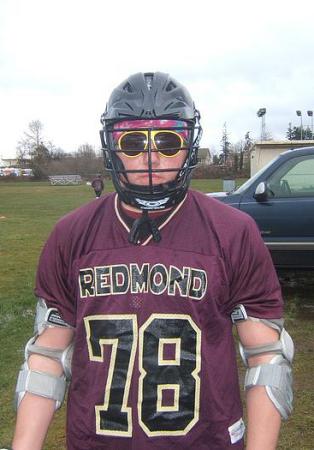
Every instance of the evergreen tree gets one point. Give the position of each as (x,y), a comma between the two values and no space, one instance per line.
(298,133)
(225,144)
(40,159)
(289,134)
(247,142)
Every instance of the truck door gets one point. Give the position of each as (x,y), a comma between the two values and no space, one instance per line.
(286,218)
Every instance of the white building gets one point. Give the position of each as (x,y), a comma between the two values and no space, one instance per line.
(264,151)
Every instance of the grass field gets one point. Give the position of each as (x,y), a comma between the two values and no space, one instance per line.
(28,212)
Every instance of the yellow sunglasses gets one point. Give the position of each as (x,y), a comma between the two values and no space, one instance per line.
(167,143)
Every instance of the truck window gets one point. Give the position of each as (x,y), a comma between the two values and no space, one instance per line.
(295,178)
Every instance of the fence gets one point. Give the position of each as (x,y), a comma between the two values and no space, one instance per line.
(65,180)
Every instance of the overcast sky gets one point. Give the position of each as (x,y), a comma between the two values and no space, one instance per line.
(60,60)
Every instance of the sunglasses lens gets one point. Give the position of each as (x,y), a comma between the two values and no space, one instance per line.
(169,144)
(133,144)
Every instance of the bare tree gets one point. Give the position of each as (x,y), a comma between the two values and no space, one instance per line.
(32,151)
(46,159)
(22,152)
(34,135)
(32,139)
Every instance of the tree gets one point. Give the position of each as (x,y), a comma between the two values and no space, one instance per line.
(56,153)
(32,139)
(236,162)
(44,158)
(34,135)
(247,142)
(298,133)
(215,159)
(39,163)
(86,162)
(225,144)
(22,152)
(35,153)
(289,134)
(307,133)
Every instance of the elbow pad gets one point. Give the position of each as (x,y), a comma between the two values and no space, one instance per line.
(44,384)
(276,375)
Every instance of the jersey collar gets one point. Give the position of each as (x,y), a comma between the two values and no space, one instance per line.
(149,238)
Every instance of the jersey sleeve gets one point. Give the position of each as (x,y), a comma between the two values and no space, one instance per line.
(53,280)
(253,280)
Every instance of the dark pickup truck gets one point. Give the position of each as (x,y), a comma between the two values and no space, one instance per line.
(280,197)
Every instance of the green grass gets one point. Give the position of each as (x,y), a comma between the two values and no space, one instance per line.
(30,211)
(215,185)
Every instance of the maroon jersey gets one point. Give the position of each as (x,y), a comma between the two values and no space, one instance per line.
(154,363)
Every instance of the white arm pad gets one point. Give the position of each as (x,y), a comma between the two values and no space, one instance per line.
(42,383)
(277,377)
(39,383)
(63,356)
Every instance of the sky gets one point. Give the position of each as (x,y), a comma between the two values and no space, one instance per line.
(61,59)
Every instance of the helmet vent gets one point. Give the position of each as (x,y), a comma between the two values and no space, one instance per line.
(170,86)
(149,80)
(168,106)
(179,105)
(128,104)
(128,88)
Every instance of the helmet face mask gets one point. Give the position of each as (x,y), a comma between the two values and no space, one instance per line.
(162,111)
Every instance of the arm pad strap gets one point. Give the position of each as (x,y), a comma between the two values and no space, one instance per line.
(63,356)
(277,377)
(40,383)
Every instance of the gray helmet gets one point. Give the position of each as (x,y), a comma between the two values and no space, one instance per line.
(150,96)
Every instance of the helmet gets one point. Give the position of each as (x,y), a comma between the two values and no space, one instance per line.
(151,96)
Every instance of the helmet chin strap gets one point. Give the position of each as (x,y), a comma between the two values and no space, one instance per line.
(137,225)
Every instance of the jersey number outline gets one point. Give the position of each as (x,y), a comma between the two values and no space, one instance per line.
(169,384)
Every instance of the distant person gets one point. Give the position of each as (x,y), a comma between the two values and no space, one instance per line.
(98,185)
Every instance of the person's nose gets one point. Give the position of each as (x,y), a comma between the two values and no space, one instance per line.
(153,155)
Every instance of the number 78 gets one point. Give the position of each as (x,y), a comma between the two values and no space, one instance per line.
(169,361)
